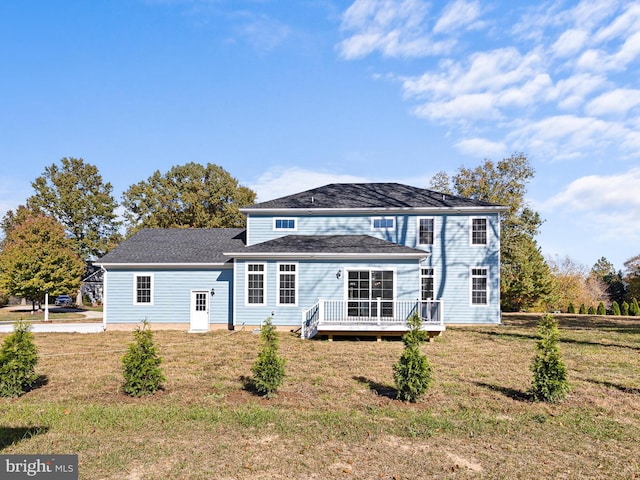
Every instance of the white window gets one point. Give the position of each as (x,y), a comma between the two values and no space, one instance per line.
(425,230)
(383,223)
(284,224)
(479,286)
(255,284)
(287,284)
(478,231)
(143,289)
(426,284)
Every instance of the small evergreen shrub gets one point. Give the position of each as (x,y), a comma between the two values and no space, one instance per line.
(624,309)
(582,310)
(571,308)
(141,364)
(591,311)
(601,310)
(412,373)
(634,308)
(18,359)
(268,370)
(615,308)
(549,371)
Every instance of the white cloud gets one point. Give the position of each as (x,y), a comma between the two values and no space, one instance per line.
(614,102)
(570,42)
(393,28)
(627,22)
(481,147)
(571,92)
(461,108)
(608,204)
(456,15)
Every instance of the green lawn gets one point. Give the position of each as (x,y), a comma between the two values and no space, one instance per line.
(335,416)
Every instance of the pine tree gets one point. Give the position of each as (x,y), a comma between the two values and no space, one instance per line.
(625,308)
(268,370)
(571,308)
(141,365)
(615,308)
(583,310)
(601,310)
(18,359)
(549,371)
(634,308)
(591,310)
(412,373)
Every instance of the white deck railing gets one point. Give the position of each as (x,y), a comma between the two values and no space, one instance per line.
(369,312)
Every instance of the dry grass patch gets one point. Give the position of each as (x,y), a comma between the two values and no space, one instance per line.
(335,416)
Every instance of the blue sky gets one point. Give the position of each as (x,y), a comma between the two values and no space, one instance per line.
(291,95)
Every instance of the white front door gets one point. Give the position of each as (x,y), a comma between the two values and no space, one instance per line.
(199,311)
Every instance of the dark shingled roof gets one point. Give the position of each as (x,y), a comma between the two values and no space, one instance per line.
(328,244)
(369,195)
(177,245)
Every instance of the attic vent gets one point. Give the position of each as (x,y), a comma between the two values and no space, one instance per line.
(443,197)
(311,198)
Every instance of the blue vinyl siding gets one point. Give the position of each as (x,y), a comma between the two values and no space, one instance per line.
(316,280)
(451,255)
(171,295)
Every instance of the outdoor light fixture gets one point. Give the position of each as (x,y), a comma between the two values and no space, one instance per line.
(213,291)
(339,274)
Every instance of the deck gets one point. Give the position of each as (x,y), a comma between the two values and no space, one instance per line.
(370,318)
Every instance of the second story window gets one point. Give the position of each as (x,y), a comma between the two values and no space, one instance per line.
(284,224)
(383,223)
(478,231)
(425,231)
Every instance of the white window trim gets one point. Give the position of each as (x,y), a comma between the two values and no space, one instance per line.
(471,219)
(135,288)
(392,228)
(432,276)
(471,277)
(246,284)
(295,224)
(418,219)
(295,274)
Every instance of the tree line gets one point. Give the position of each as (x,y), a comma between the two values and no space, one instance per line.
(73,217)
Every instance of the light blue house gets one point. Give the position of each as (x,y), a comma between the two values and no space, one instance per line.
(343,258)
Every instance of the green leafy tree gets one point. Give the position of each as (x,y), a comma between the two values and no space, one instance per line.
(141,365)
(18,360)
(76,196)
(615,308)
(549,371)
(37,257)
(604,270)
(412,373)
(12,219)
(632,277)
(525,277)
(601,310)
(189,195)
(624,308)
(268,370)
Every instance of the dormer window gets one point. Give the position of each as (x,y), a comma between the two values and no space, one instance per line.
(383,223)
(284,224)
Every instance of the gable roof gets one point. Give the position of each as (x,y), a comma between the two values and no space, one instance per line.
(369,196)
(176,246)
(327,246)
